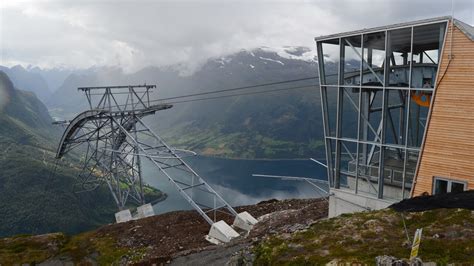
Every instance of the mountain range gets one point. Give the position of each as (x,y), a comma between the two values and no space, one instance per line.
(29,81)
(282,124)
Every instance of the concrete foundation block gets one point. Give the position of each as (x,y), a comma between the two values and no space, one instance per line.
(244,221)
(123,216)
(145,211)
(342,201)
(221,232)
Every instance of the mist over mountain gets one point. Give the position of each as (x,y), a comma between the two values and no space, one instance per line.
(28,81)
(54,77)
(283,124)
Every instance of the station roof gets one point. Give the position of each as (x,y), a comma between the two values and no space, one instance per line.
(467,29)
(395,26)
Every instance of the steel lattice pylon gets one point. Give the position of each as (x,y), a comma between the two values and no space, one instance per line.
(113,139)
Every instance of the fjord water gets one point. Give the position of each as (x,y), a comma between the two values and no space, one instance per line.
(233,180)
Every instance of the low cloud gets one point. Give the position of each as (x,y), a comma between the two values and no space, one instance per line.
(135,34)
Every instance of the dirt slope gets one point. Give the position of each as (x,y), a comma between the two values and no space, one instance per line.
(157,239)
(290,232)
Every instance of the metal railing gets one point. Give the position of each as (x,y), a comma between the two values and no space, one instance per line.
(391,176)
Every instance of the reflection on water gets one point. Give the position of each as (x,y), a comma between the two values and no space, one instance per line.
(234,181)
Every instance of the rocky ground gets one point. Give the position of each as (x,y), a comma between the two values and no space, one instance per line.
(175,237)
(289,232)
(175,234)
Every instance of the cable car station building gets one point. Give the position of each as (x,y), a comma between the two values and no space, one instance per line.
(398,112)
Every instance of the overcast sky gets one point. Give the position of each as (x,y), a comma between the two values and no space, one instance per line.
(135,34)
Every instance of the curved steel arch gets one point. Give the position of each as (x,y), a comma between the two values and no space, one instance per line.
(81,119)
(73,127)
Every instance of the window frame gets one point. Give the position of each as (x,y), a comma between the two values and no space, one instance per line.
(449,185)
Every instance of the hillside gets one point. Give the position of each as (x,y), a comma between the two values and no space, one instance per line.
(289,232)
(36,195)
(283,124)
(25,79)
(156,239)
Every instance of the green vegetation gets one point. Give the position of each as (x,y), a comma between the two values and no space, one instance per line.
(29,249)
(351,238)
(359,238)
(37,192)
(81,248)
(85,245)
(36,199)
(153,195)
(250,145)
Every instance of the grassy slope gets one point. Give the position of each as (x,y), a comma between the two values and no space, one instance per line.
(35,198)
(35,249)
(245,145)
(358,238)
(352,238)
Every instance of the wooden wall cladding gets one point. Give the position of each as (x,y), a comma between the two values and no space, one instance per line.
(448,150)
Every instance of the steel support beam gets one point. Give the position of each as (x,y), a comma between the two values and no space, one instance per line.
(325,116)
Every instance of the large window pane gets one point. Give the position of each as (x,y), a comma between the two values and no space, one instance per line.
(427,44)
(374,58)
(348,156)
(331,98)
(368,168)
(419,107)
(394,159)
(331,59)
(395,118)
(400,48)
(370,118)
(410,167)
(349,117)
(348,162)
(352,60)
(373,128)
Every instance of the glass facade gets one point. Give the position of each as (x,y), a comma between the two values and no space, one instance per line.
(376,92)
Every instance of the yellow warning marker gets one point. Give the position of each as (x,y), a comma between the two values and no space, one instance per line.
(416,244)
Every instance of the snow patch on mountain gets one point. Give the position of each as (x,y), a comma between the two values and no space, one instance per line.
(272,60)
(293,53)
(224,60)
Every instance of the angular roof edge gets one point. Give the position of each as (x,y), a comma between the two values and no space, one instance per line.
(467,29)
(388,27)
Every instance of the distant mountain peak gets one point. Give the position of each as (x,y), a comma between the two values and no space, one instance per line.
(268,55)
(18,67)
(292,52)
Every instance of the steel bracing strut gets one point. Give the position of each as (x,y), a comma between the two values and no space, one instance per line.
(189,184)
(113,138)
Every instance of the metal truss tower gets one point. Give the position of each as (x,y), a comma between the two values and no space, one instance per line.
(113,138)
